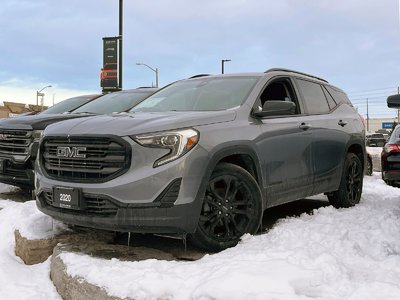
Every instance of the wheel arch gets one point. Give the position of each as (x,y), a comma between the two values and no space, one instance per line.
(243,156)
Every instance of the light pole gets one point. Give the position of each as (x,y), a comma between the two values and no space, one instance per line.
(40,94)
(223,61)
(154,70)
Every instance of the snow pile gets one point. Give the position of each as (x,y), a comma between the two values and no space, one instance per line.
(374,151)
(331,254)
(18,281)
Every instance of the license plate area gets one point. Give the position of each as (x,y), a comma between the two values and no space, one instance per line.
(65,197)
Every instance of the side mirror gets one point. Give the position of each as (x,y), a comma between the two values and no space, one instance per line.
(393,101)
(276,108)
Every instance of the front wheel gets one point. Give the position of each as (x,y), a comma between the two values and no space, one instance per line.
(350,188)
(232,206)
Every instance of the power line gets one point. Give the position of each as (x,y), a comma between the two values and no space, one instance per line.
(372,90)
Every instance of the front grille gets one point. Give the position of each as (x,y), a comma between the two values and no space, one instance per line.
(99,158)
(15,142)
(92,205)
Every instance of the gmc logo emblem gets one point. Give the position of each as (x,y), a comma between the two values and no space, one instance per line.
(74,152)
(3,136)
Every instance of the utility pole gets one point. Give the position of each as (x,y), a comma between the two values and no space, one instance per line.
(367,117)
(120,42)
(398,110)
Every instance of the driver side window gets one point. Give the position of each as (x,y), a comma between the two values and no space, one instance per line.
(279,90)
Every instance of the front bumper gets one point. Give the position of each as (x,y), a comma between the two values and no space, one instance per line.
(143,219)
(21,175)
(391,175)
(166,199)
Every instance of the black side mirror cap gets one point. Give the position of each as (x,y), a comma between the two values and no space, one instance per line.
(393,101)
(276,108)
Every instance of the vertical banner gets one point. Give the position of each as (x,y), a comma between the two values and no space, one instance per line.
(109,72)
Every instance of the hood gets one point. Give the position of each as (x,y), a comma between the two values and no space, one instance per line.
(36,122)
(136,123)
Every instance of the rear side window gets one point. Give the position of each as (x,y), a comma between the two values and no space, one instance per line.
(313,97)
(338,95)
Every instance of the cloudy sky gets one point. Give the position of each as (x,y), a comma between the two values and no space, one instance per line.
(354,44)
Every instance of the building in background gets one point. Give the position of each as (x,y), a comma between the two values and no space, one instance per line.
(13,109)
(378,124)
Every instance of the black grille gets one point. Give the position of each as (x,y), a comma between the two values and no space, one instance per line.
(15,142)
(92,205)
(99,158)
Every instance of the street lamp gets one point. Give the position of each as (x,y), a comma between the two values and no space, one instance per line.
(38,93)
(154,70)
(222,64)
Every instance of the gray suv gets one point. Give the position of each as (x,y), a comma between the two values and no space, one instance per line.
(204,157)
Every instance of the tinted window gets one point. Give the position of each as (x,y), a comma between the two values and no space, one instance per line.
(313,97)
(338,95)
(200,95)
(114,102)
(68,105)
(331,101)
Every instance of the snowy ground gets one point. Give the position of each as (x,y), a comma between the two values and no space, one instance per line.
(330,254)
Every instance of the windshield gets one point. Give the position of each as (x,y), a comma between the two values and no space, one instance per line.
(114,102)
(68,105)
(203,94)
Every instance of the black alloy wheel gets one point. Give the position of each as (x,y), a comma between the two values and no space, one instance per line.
(350,188)
(232,206)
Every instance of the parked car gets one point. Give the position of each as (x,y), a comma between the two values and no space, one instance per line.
(70,104)
(204,157)
(19,136)
(390,158)
(376,139)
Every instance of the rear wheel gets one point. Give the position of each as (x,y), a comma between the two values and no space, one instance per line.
(350,188)
(232,206)
(369,170)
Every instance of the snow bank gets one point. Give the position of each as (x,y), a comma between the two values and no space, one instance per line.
(331,254)
(18,281)
(374,151)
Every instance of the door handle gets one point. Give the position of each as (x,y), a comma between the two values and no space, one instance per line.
(305,126)
(342,123)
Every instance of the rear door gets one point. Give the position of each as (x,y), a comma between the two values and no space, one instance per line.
(328,124)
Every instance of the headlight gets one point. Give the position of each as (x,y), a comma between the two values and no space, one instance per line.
(37,134)
(178,142)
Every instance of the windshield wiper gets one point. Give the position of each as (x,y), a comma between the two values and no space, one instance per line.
(85,112)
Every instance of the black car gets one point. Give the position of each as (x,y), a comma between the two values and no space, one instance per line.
(70,104)
(19,136)
(376,139)
(390,158)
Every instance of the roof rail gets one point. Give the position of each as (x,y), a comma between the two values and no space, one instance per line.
(301,73)
(199,75)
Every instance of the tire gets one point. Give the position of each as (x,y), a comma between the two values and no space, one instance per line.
(390,182)
(350,188)
(232,206)
(368,169)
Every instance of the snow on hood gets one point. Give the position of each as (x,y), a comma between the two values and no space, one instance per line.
(127,124)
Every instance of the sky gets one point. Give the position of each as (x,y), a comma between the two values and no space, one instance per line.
(353,44)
